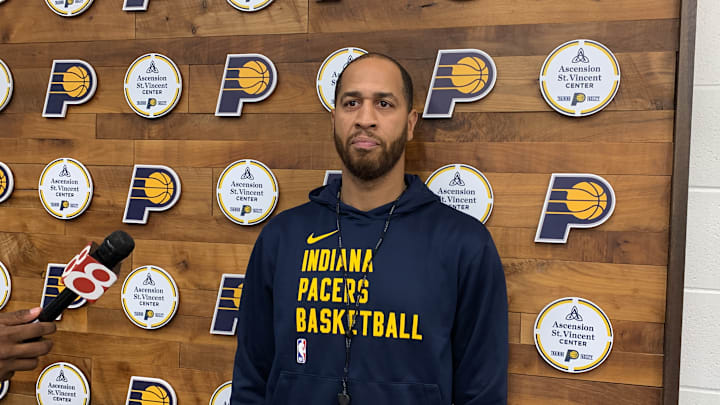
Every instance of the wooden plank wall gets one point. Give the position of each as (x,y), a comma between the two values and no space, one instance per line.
(512,136)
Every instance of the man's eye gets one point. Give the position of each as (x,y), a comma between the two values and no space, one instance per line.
(351,103)
(384,104)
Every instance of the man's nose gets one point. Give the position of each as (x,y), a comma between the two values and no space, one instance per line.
(366,117)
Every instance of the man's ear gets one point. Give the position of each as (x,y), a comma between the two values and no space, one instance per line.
(412,120)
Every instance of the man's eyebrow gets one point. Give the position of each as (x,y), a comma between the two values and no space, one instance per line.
(358,94)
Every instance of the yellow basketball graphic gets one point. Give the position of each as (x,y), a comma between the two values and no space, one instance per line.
(3,182)
(76,81)
(159,188)
(470,74)
(586,200)
(65,204)
(253,77)
(155,395)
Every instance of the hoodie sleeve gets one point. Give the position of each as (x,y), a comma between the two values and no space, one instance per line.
(480,332)
(255,339)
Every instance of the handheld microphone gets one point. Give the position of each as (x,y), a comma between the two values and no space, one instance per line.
(89,274)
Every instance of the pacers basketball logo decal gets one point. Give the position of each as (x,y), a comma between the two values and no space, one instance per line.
(247,192)
(332,175)
(460,75)
(65,188)
(5,385)
(68,8)
(54,286)
(71,82)
(227,304)
(250,5)
(248,78)
(153,85)
(464,188)
(62,383)
(573,335)
(7,182)
(574,201)
(330,71)
(135,5)
(580,78)
(150,297)
(152,188)
(5,285)
(6,85)
(146,390)
(221,396)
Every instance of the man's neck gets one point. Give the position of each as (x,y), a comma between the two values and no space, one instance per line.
(368,195)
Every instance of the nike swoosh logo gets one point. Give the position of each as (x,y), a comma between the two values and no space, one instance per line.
(314,239)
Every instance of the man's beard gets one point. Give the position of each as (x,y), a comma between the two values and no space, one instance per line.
(361,165)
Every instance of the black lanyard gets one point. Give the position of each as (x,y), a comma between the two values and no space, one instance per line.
(344,396)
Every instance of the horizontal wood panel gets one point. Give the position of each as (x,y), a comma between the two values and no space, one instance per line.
(210,357)
(34,126)
(114,348)
(509,40)
(189,18)
(628,336)
(620,367)
(534,390)
(612,126)
(106,152)
(24,21)
(372,15)
(629,292)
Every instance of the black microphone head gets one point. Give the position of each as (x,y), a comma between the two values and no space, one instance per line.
(116,247)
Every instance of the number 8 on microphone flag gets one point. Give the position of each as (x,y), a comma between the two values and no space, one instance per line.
(152,188)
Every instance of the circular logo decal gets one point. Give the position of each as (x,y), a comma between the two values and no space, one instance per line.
(221,396)
(6,85)
(65,188)
(5,385)
(150,297)
(580,78)
(247,192)
(573,335)
(7,182)
(62,383)
(69,8)
(464,188)
(153,85)
(5,285)
(330,70)
(250,5)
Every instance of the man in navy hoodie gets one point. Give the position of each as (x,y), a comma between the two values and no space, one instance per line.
(373,292)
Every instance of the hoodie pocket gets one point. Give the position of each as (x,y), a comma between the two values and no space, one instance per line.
(306,389)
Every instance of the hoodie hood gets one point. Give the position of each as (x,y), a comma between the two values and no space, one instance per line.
(415,195)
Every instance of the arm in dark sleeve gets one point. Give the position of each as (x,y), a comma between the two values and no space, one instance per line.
(480,332)
(255,339)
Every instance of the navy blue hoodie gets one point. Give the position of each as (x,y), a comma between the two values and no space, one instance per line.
(432,322)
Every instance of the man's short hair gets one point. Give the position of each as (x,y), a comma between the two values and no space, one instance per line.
(407,81)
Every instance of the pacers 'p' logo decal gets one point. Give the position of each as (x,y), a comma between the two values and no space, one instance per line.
(248,78)
(227,304)
(146,390)
(574,201)
(153,188)
(135,5)
(460,75)
(71,82)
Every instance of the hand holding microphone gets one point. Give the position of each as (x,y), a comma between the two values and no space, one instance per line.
(88,275)
(20,343)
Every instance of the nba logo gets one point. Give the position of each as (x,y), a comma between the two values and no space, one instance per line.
(248,78)
(152,188)
(227,305)
(135,5)
(574,201)
(146,390)
(54,286)
(71,82)
(301,351)
(460,75)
